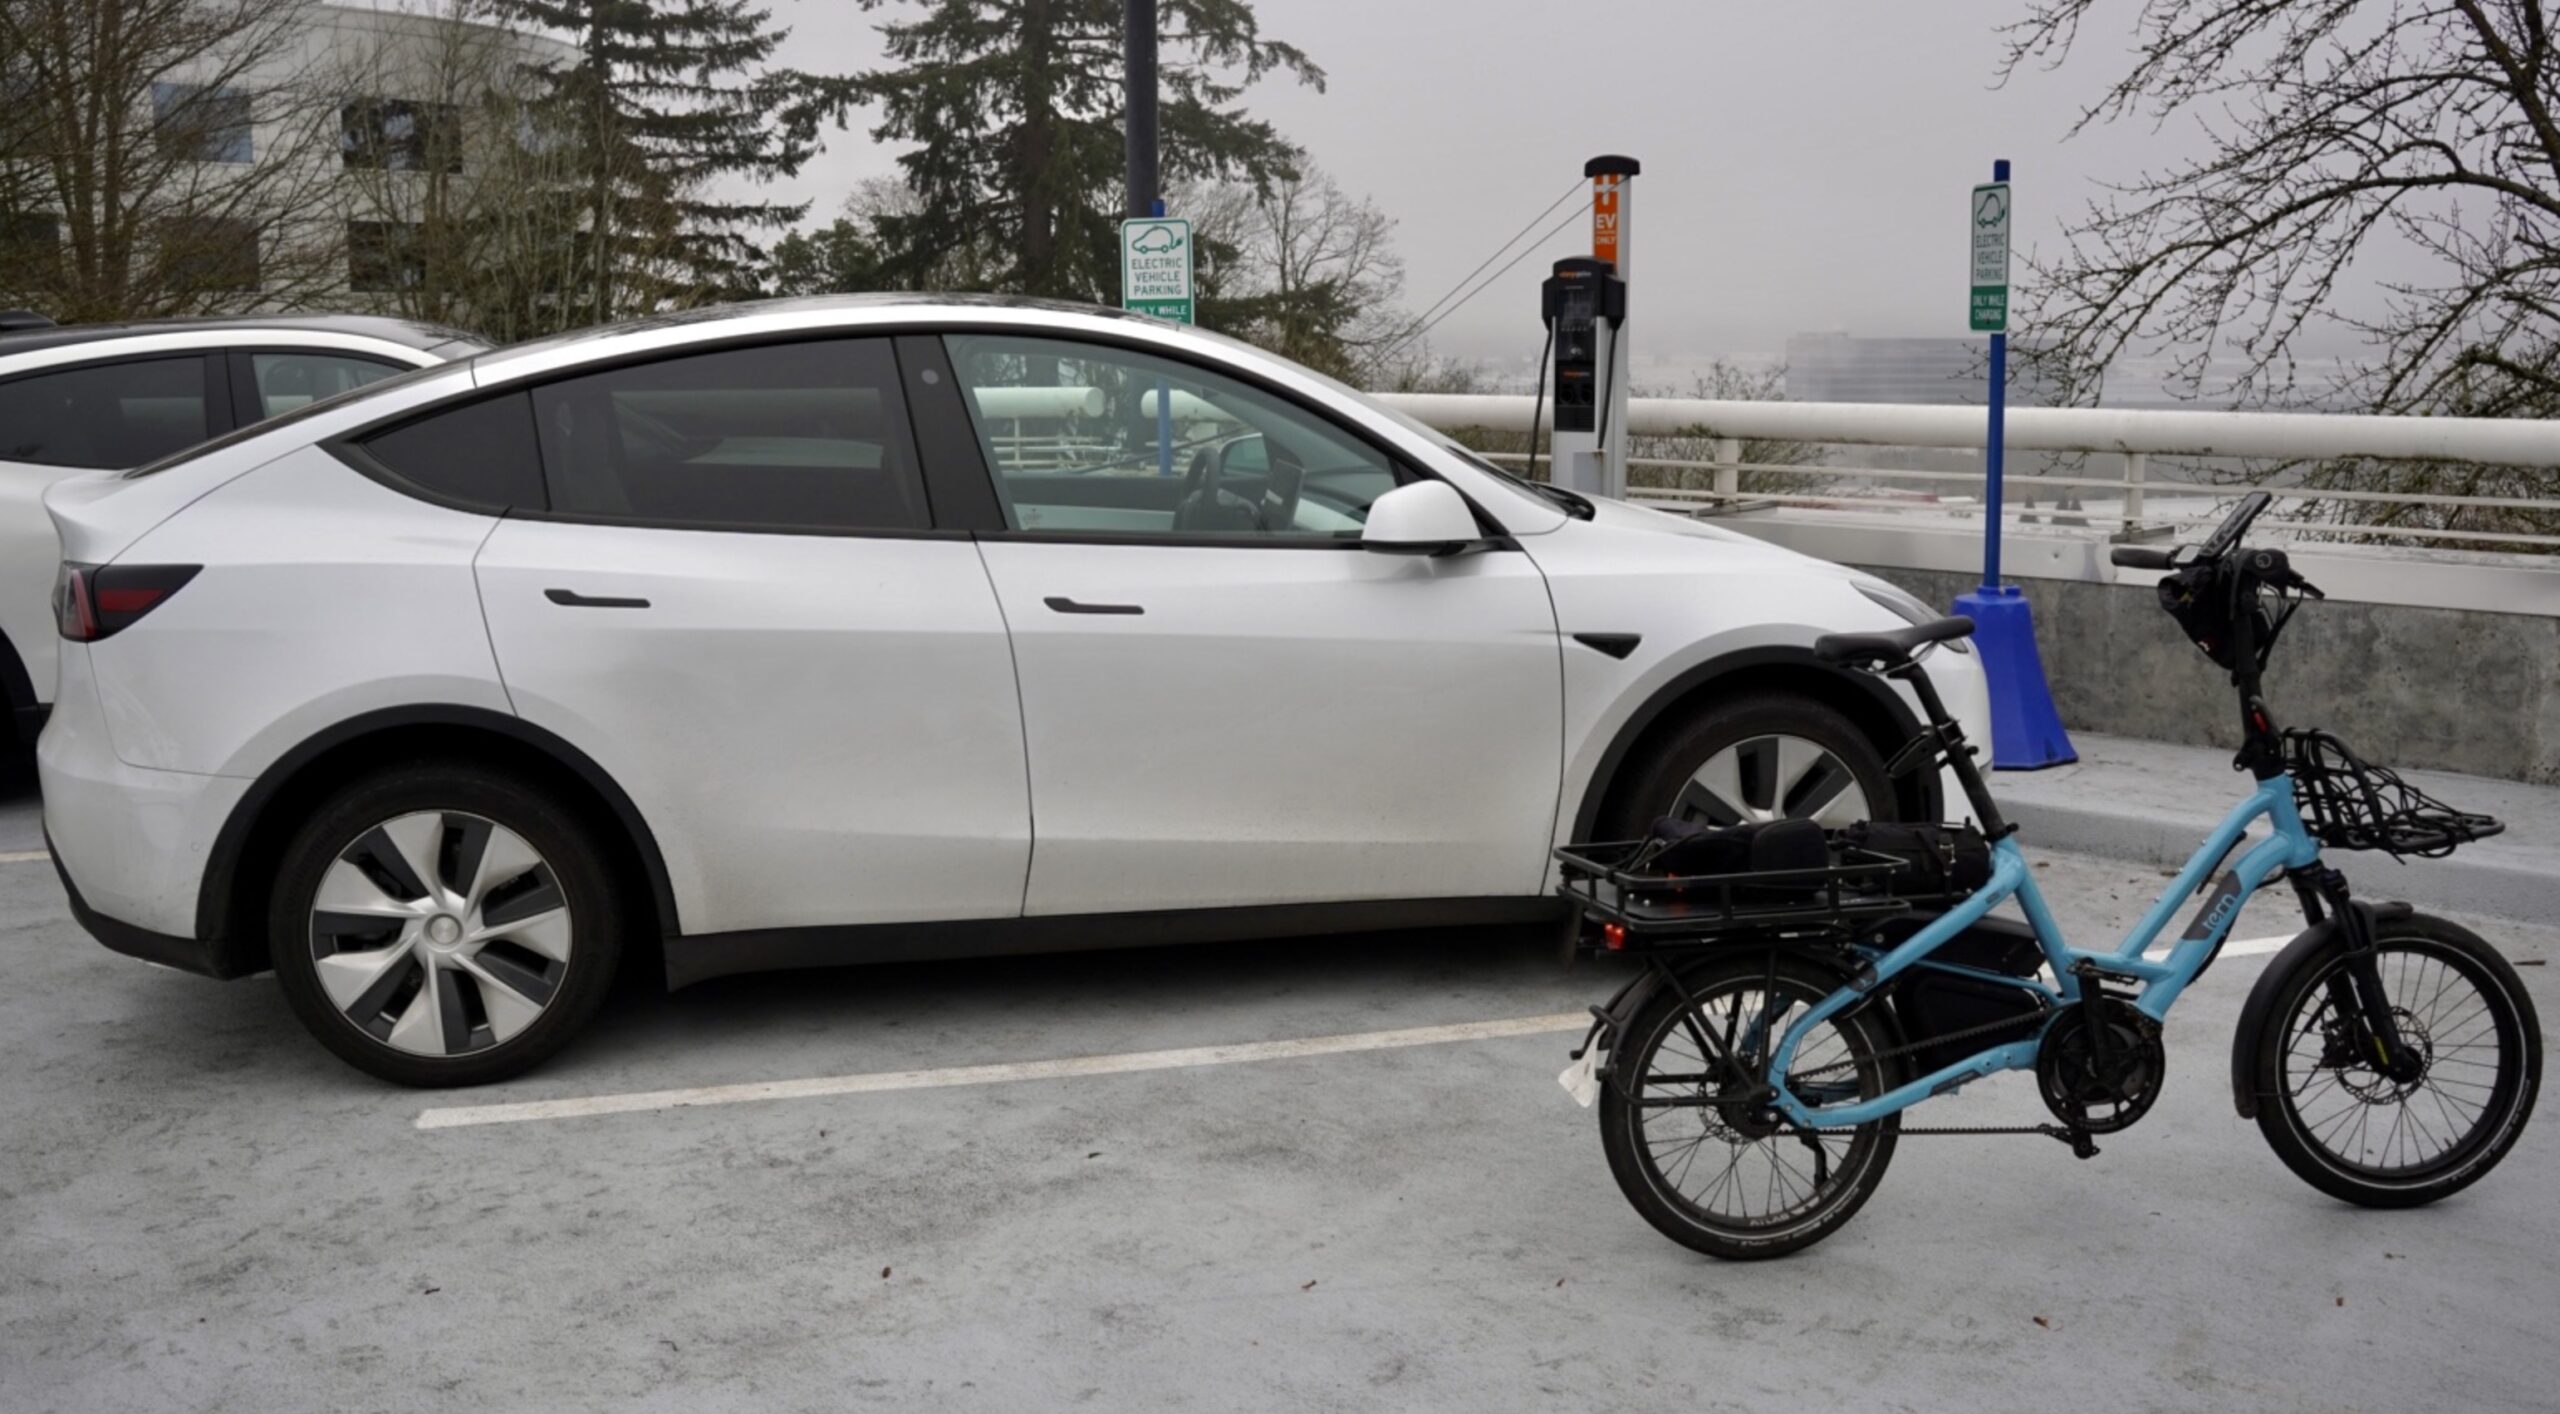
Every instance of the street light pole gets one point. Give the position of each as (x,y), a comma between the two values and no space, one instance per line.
(1138,46)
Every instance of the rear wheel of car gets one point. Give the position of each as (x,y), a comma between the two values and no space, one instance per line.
(441,924)
(1770,756)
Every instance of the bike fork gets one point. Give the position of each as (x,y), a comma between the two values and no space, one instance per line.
(2356,990)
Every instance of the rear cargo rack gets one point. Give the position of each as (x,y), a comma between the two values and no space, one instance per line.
(1608,882)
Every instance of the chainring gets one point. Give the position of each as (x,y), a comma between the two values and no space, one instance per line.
(2071,1080)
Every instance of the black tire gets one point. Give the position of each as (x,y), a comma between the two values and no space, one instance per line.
(1656,1160)
(1658,779)
(570,872)
(2449,1128)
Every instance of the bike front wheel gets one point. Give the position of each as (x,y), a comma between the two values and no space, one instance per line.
(1705,1165)
(2355,1133)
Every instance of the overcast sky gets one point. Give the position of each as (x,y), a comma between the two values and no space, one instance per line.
(1805,165)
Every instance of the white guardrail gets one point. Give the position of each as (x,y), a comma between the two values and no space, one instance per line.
(1930,518)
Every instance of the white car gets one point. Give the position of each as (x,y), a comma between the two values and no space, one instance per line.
(882,627)
(118,395)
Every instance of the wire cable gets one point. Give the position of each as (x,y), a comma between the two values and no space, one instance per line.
(1525,252)
(1525,228)
(1537,401)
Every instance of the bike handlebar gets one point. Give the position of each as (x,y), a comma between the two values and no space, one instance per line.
(2135,557)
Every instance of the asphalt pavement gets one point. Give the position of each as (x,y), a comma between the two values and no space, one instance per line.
(200,1209)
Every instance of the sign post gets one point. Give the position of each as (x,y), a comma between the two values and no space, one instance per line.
(1155,278)
(1989,313)
(2026,731)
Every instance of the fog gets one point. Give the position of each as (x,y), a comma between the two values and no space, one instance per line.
(1805,166)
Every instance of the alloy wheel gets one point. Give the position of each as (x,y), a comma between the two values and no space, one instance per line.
(440,933)
(1773,777)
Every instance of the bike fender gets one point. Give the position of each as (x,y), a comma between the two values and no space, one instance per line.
(1611,1019)
(2307,947)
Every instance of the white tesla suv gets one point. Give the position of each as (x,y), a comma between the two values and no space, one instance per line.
(866,628)
(92,396)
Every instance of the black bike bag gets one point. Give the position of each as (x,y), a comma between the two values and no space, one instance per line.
(1938,861)
(1683,847)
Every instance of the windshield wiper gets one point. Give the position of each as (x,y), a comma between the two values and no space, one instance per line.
(1572,503)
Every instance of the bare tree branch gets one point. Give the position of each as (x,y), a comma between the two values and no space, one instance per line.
(2339,131)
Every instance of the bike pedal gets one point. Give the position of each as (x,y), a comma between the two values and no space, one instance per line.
(2082,1146)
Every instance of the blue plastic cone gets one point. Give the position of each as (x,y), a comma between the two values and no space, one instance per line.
(2026,733)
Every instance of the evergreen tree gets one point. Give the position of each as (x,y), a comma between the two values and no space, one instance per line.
(669,100)
(1015,110)
(839,258)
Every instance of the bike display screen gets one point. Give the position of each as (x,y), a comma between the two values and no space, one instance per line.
(2235,525)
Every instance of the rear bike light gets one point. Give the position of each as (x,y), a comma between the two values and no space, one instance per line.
(91,602)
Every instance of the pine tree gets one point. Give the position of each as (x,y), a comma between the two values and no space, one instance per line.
(1014,107)
(670,102)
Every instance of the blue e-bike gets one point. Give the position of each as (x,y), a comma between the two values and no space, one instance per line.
(1752,1078)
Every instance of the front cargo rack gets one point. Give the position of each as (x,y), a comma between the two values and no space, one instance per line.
(1605,881)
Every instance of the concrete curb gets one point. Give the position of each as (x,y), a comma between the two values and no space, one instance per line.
(2468,881)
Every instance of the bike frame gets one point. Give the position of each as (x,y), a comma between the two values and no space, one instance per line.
(2289,847)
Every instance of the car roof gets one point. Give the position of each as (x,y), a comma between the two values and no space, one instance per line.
(794,314)
(411,333)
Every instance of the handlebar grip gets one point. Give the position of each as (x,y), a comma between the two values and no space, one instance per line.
(2135,557)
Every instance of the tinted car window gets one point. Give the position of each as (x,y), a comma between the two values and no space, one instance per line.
(806,436)
(104,415)
(290,380)
(1091,439)
(482,454)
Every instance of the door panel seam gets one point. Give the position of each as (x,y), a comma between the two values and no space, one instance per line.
(1022,724)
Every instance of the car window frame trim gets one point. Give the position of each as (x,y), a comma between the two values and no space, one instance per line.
(346,446)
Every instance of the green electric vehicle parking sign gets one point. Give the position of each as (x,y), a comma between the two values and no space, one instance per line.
(1155,267)
(1988,224)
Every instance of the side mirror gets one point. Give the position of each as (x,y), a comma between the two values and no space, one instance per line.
(1423,518)
(1249,453)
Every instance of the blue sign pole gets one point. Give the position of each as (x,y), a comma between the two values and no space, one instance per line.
(2026,731)
(1993,451)
(1164,404)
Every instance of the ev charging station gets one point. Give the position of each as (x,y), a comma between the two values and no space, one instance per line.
(1584,304)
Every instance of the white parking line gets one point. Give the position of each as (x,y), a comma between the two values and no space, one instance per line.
(1127,1063)
(459,1116)
(24,856)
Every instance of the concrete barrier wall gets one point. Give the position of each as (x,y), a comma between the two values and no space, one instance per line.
(2452,689)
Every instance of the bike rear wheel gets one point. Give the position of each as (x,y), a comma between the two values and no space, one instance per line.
(1710,1170)
(2354,1133)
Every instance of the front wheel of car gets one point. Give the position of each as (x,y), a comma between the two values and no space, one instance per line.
(1768,756)
(440,924)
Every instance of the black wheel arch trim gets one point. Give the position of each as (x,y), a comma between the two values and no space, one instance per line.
(204,958)
(2259,1009)
(1864,686)
(214,900)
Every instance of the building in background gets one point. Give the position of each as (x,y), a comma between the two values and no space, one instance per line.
(289,168)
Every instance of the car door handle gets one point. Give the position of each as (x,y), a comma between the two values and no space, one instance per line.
(1065,605)
(570,598)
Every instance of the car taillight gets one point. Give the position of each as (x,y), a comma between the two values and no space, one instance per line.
(92,601)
